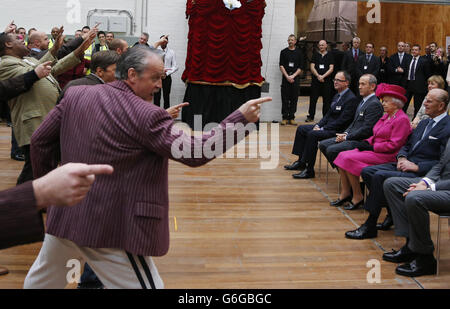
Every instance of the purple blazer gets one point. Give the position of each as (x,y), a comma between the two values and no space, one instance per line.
(109,124)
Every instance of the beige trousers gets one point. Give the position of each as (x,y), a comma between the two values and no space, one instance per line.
(59,263)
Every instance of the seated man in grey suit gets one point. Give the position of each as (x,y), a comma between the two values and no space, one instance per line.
(410,200)
(369,111)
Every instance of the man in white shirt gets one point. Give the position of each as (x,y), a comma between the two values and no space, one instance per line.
(170,67)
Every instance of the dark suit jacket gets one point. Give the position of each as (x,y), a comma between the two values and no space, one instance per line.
(340,116)
(108,123)
(20,222)
(398,78)
(12,87)
(364,121)
(348,62)
(420,84)
(87,80)
(37,55)
(371,67)
(427,153)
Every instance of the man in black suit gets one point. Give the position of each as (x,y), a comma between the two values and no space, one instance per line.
(336,119)
(369,111)
(411,199)
(368,63)
(415,159)
(350,62)
(418,73)
(399,66)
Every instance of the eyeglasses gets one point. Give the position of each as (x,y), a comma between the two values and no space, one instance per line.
(339,80)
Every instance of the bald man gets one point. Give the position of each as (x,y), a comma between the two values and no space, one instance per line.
(38,43)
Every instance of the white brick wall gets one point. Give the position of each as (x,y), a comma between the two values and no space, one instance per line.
(165,17)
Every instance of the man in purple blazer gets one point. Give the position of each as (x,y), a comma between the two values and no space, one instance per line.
(125,215)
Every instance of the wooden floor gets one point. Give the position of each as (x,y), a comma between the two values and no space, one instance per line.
(234,225)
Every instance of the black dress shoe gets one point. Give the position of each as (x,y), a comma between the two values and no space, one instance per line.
(18,157)
(352,206)
(297,165)
(340,202)
(304,175)
(363,232)
(386,225)
(423,265)
(309,119)
(404,255)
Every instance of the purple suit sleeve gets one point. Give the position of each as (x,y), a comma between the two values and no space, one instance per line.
(401,129)
(169,141)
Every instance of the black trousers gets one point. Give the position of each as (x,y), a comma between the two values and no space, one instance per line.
(27,171)
(305,144)
(331,149)
(289,98)
(374,177)
(318,89)
(418,100)
(15,149)
(166,86)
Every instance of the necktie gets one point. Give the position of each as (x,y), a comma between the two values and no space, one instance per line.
(368,58)
(412,73)
(425,132)
(355,58)
(401,58)
(359,109)
(335,101)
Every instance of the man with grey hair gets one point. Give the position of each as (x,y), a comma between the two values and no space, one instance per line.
(415,159)
(411,199)
(124,219)
(350,62)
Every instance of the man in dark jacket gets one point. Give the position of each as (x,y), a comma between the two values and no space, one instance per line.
(336,119)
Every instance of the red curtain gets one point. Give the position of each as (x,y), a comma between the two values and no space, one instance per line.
(224,45)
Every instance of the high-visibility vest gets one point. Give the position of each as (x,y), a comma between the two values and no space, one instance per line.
(88,55)
(51,43)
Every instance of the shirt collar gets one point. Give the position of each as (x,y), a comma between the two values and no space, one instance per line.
(440,117)
(36,49)
(368,97)
(343,92)
(103,82)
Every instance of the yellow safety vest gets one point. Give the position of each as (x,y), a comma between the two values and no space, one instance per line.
(51,43)
(88,55)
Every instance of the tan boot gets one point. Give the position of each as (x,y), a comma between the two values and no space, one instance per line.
(284,122)
(3,271)
(292,122)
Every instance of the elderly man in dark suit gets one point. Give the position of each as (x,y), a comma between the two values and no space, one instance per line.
(410,200)
(368,63)
(20,222)
(369,111)
(415,159)
(125,215)
(336,119)
(418,73)
(350,63)
(399,66)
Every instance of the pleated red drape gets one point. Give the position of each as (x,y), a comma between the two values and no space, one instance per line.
(224,45)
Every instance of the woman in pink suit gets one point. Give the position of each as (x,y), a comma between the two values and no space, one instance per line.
(390,133)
